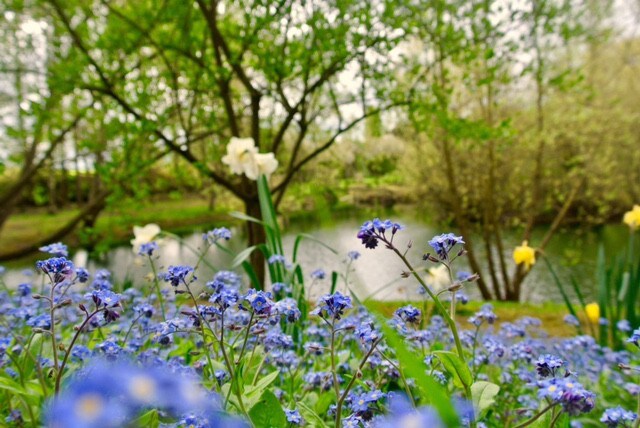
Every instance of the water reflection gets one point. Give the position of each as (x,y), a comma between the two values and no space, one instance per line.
(377,272)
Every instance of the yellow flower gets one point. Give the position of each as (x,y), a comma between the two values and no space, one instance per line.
(524,254)
(632,218)
(593,312)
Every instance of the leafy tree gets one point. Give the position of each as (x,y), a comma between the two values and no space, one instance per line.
(47,121)
(194,74)
(475,58)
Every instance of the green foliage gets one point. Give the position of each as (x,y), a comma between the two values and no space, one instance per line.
(150,419)
(618,281)
(412,366)
(267,412)
(484,394)
(456,367)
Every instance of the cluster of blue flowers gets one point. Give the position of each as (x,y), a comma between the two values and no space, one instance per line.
(443,244)
(376,230)
(210,350)
(332,306)
(110,394)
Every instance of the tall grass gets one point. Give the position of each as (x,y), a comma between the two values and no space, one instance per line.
(617,283)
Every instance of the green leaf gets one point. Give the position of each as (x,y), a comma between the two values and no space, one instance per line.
(412,366)
(334,281)
(312,418)
(560,287)
(302,236)
(269,217)
(12,386)
(242,256)
(243,216)
(267,412)
(483,394)
(257,389)
(454,365)
(149,419)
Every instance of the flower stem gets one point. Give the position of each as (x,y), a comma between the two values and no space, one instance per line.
(52,308)
(156,285)
(443,312)
(537,416)
(352,381)
(73,341)
(336,387)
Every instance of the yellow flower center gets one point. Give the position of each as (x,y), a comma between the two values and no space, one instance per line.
(89,407)
(143,388)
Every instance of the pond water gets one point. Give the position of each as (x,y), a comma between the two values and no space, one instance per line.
(376,273)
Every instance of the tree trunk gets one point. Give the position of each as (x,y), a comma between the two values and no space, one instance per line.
(256,236)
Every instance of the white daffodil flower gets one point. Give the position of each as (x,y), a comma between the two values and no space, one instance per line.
(438,278)
(144,235)
(240,155)
(265,164)
(243,158)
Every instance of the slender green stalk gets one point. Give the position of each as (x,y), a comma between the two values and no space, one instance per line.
(336,387)
(452,309)
(231,371)
(156,285)
(133,323)
(203,321)
(555,418)
(52,309)
(537,416)
(352,381)
(636,424)
(404,379)
(246,339)
(443,312)
(441,309)
(73,341)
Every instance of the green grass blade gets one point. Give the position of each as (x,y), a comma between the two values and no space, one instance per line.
(558,283)
(242,216)
(413,366)
(301,237)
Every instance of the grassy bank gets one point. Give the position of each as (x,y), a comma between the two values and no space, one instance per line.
(177,215)
(550,313)
(115,223)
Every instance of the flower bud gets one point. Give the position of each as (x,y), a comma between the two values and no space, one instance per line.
(455,287)
(472,278)
(36,296)
(63,303)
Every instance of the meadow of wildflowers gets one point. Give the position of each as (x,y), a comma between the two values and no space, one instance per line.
(77,350)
